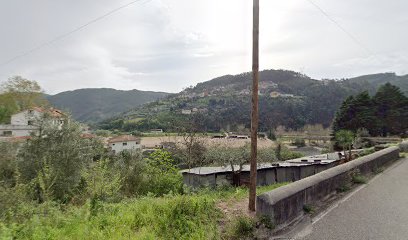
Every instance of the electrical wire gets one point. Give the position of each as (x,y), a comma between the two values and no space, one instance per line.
(349,34)
(62,36)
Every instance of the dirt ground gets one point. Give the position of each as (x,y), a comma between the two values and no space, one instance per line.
(151,142)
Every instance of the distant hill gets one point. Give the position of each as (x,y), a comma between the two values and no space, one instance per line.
(376,80)
(287,98)
(96,104)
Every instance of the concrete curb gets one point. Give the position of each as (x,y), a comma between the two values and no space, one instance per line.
(286,203)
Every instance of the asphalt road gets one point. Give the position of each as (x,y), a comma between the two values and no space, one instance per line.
(376,211)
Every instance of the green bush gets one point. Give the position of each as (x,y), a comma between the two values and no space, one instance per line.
(163,176)
(366,151)
(299,142)
(240,227)
(359,179)
(308,208)
(267,222)
(286,154)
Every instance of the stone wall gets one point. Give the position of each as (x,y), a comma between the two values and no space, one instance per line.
(286,203)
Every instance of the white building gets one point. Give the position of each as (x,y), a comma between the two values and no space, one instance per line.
(126,142)
(186,111)
(24,123)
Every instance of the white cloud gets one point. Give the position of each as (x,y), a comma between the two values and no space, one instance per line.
(166,45)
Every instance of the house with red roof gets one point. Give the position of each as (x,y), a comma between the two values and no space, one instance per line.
(24,123)
(124,142)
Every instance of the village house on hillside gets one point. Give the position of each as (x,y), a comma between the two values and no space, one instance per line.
(24,123)
(125,142)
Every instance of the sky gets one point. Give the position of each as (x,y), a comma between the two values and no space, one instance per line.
(167,45)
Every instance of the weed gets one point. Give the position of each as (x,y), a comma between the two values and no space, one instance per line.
(240,228)
(267,221)
(344,188)
(359,179)
(308,208)
(378,170)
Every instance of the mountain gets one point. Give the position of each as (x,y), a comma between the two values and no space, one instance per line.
(287,98)
(96,104)
(376,80)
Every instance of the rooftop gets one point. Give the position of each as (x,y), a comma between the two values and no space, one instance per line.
(124,138)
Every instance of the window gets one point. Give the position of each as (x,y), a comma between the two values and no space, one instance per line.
(7,133)
(125,144)
(30,123)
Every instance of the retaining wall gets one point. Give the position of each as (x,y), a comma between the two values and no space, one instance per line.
(286,203)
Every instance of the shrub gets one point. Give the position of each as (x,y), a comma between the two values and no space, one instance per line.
(366,151)
(359,179)
(8,167)
(162,174)
(299,142)
(267,222)
(286,154)
(344,188)
(308,208)
(240,227)
(54,160)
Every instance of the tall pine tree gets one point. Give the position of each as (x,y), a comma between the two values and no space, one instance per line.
(391,110)
(384,114)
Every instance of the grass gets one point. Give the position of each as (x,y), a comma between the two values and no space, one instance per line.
(190,216)
(359,179)
(344,188)
(240,228)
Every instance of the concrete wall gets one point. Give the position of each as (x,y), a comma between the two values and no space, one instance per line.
(265,176)
(127,145)
(286,203)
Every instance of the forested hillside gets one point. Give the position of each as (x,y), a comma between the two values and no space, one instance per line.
(286,98)
(96,104)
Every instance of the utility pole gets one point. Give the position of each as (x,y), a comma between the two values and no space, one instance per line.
(255,114)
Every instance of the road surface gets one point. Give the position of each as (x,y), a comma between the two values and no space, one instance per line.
(376,211)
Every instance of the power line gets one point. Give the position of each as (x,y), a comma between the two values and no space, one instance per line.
(62,36)
(351,36)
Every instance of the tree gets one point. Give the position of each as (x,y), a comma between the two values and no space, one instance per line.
(26,93)
(8,168)
(391,110)
(54,159)
(384,114)
(192,147)
(232,157)
(8,106)
(19,94)
(345,139)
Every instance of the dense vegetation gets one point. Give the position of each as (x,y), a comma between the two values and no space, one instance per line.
(223,104)
(384,114)
(96,104)
(60,185)
(19,94)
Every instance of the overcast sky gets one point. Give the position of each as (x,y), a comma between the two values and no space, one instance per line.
(166,45)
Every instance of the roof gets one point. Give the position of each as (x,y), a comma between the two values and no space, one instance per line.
(245,168)
(124,138)
(88,135)
(52,111)
(321,159)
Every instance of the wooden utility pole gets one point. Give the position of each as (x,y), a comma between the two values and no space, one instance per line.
(254,116)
